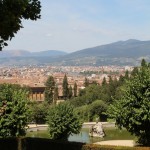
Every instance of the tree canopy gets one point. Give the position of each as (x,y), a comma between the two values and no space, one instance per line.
(132,109)
(62,121)
(11,14)
(14,111)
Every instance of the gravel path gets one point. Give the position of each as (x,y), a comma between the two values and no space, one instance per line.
(129,143)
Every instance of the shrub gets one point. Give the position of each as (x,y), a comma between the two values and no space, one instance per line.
(63,121)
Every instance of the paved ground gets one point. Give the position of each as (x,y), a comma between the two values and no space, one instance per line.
(129,143)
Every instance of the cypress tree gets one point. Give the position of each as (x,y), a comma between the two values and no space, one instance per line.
(70,92)
(104,81)
(86,82)
(56,94)
(65,87)
(49,90)
(75,89)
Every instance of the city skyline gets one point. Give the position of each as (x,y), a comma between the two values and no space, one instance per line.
(74,25)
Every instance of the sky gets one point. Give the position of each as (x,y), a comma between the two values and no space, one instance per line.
(71,25)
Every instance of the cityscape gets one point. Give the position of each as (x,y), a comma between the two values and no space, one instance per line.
(74,75)
(35,77)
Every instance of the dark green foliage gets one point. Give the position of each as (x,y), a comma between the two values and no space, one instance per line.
(11,14)
(82,92)
(104,81)
(106,93)
(132,110)
(55,94)
(39,112)
(14,111)
(49,90)
(70,94)
(97,109)
(47,144)
(9,144)
(83,112)
(87,95)
(86,82)
(126,75)
(62,121)
(134,71)
(143,63)
(65,87)
(75,89)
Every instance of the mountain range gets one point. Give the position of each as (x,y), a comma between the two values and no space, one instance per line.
(128,52)
(25,53)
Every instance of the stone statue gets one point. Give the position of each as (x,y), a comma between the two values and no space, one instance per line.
(97,130)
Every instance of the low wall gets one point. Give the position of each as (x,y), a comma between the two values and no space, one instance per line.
(36,127)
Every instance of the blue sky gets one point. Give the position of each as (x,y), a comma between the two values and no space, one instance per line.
(72,25)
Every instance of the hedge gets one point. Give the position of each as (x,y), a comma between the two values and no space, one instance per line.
(9,144)
(47,144)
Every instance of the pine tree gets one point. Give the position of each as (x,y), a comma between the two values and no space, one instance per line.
(49,90)
(65,87)
(75,89)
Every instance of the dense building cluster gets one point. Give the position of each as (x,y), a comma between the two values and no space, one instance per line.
(35,77)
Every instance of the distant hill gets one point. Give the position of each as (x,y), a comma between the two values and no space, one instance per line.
(128,52)
(24,53)
(129,48)
(49,53)
(14,53)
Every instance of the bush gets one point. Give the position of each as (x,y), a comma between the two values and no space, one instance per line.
(63,121)
(39,112)
(97,109)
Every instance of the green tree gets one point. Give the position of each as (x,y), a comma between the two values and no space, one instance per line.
(104,82)
(39,112)
(143,63)
(97,109)
(14,111)
(126,76)
(132,110)
(75,89)
(70,92)
(62,121)
(86,82)
(49,90)
(56,94)
(134,71)
(65,87)
(11,14)
(82,112)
